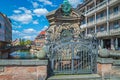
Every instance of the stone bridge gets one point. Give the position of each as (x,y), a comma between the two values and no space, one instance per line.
(4,52)
(16,48)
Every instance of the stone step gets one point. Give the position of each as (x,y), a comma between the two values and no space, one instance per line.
(76,77)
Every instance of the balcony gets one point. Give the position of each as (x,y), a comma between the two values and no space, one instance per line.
(101,5)
(114,16)
(113,2)
(115,31)
(92,23)
(97,8)
(101,20)
(102,34)
(90,11)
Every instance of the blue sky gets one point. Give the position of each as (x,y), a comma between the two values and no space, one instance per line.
(28,16)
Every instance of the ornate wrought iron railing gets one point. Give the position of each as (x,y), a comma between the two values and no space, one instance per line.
(74,56)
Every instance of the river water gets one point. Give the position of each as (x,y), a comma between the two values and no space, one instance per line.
(22,54)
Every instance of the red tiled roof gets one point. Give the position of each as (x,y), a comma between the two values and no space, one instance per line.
(42,33)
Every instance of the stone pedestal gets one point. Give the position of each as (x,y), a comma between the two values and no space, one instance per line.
(108,69)
(104,70)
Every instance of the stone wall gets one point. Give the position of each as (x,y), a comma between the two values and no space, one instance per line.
(23,69)
(109,68)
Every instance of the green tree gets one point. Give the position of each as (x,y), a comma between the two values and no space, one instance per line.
(22,42)
(28,42)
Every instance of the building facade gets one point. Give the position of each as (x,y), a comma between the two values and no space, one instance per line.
(5,31)
(40,40)
(16,42)
(102,18)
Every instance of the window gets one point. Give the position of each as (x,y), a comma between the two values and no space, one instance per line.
(83,22)
(115,9)
(116,24)
(102,28)
(107,43)
(92,30)
(90,19)
(102,14)
(88,31)
(97,29)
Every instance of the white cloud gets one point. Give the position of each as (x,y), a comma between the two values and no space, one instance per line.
(32,37)
(25,10)
(35,4)
(15,32)
(25,17)
(17,11)
(46,2)
(18,33)
(74,3)
(35,22)
(27,37)
(29,31)
(29,34)
(18,26)
(14,26)
(40,11)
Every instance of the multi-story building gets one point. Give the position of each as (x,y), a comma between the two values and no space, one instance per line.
(16,42)
(102,18)
(40,39)
(5,31)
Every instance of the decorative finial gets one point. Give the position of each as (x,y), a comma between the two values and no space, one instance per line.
(65,1)
(66,7)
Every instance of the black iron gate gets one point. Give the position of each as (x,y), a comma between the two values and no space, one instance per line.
(74,56)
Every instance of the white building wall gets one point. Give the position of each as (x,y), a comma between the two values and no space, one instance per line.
(107,20)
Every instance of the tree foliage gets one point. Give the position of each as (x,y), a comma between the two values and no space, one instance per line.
(24,42)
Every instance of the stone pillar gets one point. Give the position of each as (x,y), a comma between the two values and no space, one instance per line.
(116,43)
(107,16)
(86,19)
(95,24)
(101,43)
(86,32)
(95,18)
(112,44)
